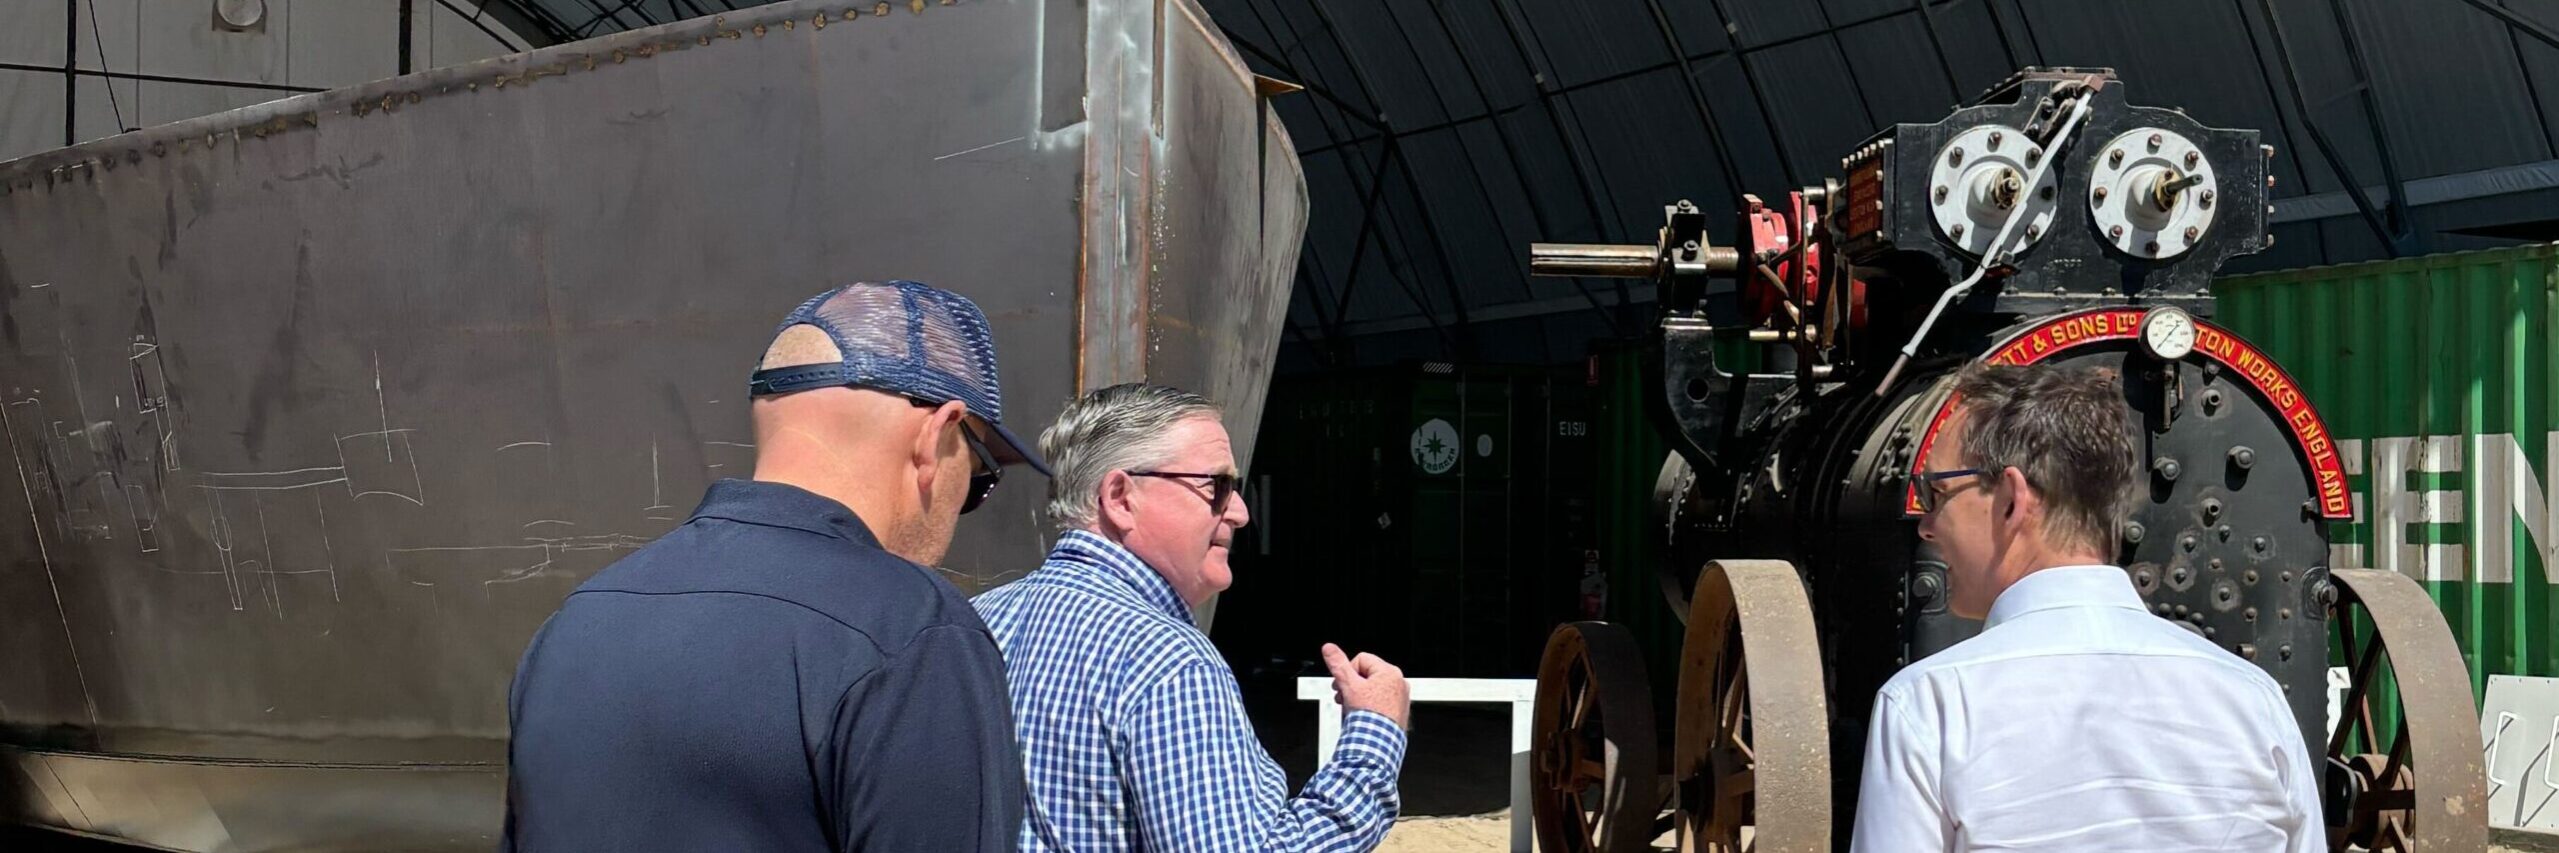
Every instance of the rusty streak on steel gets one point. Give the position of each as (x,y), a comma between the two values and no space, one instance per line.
(1110,325)
(2440,720)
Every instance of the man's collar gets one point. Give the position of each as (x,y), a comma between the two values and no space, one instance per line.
(2064,586)
(1088,549)
(783,505)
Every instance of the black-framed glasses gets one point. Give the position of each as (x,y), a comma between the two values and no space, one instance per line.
(1221,486)
(1929,497)
(983,474)
(982,477)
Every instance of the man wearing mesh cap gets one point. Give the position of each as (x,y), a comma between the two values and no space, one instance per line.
(782,671)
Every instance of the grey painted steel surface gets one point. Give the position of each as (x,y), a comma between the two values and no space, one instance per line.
(316,409)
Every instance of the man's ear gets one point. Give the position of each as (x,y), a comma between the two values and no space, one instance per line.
(2021,500)
(948,419)
(931,436)
(1116,501)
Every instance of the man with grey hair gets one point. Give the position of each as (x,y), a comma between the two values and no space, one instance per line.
(1132,731)
(2076,720)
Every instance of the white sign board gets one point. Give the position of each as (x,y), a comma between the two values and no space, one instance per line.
(2517,727)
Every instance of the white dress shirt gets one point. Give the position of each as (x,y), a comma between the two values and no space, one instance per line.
(2079,721)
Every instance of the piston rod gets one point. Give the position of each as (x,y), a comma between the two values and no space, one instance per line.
(1614,260)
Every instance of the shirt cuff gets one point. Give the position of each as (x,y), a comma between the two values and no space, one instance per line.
(1369,734)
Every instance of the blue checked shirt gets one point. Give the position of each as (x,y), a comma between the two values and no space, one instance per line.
(1133,734)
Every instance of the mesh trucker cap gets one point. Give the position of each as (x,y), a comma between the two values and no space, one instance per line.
(906,338)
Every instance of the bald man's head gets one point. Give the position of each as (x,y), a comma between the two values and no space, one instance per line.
(799,345)
(901,466)
(883,395)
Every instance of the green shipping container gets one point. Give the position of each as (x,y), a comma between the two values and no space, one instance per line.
(2436,375)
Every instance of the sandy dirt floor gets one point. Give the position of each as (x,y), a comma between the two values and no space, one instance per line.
(1489,833)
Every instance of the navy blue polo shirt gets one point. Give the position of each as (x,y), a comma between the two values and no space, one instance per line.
(764,677)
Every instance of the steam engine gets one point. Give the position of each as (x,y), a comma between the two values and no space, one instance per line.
(1804,369)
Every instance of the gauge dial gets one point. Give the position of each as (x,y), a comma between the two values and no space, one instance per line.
(2168,333)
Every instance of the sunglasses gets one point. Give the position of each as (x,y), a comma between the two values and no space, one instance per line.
(1221,486)
(984,474)
(1929,496)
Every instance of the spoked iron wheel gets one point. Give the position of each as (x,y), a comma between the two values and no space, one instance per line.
(1752,760)
(2416,784)
(1595,777)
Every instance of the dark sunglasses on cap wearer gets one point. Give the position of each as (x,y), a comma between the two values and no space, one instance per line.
(1221,486)
(984,473)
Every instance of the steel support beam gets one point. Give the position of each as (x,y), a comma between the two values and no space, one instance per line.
(2410,242)
(1553,90)
(69,73)
(2336,162)
(1697,100)
(2517,22)
(1422,209)
(1519,169)
(1944,65)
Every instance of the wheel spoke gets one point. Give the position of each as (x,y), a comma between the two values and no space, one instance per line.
(1735,700)
(1737,785)
(2361,685)
(2398,755)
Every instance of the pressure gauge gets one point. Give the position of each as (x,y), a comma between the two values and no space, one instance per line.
(2167,333)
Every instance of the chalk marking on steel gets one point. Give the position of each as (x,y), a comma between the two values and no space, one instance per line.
(46,552)
(326,549)
(979,148)
(381,404)
(275,597)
